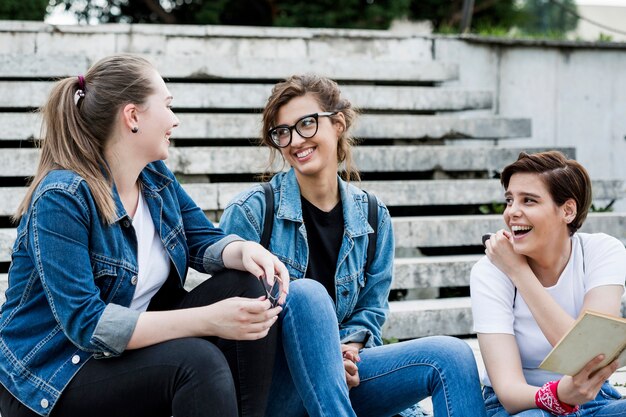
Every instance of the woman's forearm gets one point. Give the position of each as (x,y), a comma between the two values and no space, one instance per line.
(553,321)
(159,326)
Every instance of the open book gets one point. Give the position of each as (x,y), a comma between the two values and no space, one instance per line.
(591,335)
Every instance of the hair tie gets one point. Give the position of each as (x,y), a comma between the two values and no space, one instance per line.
(80,93)
(81,82)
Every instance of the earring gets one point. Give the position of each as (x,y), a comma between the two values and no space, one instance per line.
(134,129)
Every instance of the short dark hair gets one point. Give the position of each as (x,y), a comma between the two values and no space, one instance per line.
(565,178)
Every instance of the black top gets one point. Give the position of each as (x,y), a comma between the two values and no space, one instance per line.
(324,235)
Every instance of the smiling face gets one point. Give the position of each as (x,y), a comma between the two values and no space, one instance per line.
(537,223)
(315,156)
(155,120)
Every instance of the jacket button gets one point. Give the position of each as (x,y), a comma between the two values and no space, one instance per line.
(126,223)
(172,246)
(75,359)
(44,403)
(107,354)
(133,280)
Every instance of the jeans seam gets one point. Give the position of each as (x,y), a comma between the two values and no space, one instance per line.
(301,359)
(443,381)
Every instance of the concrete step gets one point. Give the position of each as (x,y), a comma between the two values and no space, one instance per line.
(419,318)
(216,196)
(16,162)
(443,231)
(20,126)
(216,42)
(32,94)
(208,67)
(435,231)
(409,273)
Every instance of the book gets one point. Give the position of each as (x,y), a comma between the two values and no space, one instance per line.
(591,335)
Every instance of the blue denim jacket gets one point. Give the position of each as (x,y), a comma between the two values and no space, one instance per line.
(72,278)
(361,296)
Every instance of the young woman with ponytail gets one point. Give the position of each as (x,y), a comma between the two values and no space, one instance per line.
(96,321)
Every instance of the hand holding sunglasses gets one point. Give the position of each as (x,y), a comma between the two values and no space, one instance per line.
(272,291)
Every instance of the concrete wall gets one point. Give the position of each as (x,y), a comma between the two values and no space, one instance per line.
(574,93)
(610,15)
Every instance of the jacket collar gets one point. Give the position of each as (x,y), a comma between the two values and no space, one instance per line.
(151,181)
(354,216)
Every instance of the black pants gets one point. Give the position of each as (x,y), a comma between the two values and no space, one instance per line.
(181,378)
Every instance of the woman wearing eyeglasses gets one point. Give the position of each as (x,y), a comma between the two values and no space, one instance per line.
(333,361)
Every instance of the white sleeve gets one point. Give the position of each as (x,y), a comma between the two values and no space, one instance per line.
(604,258)
(492,295)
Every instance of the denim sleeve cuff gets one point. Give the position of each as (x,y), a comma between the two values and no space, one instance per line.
(357,335)
(213,261)
(114,329)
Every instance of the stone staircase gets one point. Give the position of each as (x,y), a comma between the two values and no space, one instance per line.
(429,151)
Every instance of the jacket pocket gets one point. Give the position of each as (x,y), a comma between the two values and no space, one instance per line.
(105,278)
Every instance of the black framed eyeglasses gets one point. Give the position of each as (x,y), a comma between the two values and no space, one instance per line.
(306,126)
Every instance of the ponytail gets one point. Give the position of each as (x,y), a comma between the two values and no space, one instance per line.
(78,119)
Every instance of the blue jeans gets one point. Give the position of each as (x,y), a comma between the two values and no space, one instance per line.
(309,376)
(606,404)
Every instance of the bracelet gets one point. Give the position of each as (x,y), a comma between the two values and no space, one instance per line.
(546,398)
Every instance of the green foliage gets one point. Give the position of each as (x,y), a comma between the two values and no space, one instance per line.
(390,340)
(600,209)
(549,16)
(373,14)
(239,12)
(493,208)
(23,9)
(370,14)
(603,37)
(446,15)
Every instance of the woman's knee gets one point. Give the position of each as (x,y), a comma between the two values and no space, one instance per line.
(244,284)
(308,294)
(448,353)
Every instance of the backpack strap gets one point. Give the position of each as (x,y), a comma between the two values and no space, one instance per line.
(372,219)
(268,221)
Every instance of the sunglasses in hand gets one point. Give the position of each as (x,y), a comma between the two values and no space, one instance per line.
(272,291)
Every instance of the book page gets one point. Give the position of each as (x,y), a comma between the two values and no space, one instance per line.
(592,334)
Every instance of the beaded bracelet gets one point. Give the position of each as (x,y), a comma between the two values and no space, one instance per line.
(546,398)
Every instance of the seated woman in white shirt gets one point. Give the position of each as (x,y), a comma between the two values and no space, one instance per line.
(538,276)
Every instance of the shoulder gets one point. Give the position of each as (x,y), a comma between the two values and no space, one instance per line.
(363,197)
(485,273)
(66,181)
(251,196)
(600,243)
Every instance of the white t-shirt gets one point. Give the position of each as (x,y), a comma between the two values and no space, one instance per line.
(153,260)
(492,294)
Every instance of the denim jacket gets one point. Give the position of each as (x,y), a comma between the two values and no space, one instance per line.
(72,278)
(361,296)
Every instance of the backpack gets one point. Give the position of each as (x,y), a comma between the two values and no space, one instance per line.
(372,219)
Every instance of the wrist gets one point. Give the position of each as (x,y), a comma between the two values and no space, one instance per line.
(547,399)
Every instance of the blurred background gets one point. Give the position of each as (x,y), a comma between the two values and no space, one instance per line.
(602,20)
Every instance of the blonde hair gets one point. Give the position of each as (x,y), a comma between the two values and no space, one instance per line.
(328,95)
(74,132)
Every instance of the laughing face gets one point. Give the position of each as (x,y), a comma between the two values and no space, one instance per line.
(156,121)
(317,155)
(535,220)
